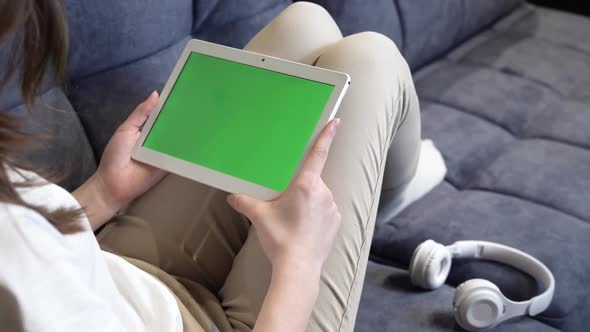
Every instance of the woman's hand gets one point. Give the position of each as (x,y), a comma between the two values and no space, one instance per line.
(296,231)
(125,179)
(119,179)
(298,228)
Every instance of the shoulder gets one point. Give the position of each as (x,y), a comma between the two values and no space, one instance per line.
(24,230)
(37,191)
(33,254)
(39,265)
(26,233)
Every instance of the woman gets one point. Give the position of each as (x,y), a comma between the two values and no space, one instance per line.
(180,259)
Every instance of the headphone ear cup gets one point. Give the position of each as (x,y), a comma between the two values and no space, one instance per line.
(478,305)
(430,265)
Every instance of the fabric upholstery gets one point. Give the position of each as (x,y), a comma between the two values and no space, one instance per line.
(508,108)
(135,54)
(390,303)
(423,30)
(122,50)
(112,33)
(510,112)
(64,153)
(432,29)
(104,100)
(233,23)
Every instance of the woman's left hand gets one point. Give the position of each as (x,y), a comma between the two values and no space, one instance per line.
(119,179)
(125,179)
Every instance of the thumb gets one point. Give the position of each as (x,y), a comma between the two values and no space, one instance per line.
(138,117)
(248,206)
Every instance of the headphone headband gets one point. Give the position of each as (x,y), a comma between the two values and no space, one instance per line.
(514,258)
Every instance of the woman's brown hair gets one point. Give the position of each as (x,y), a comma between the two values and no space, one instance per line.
(36,32)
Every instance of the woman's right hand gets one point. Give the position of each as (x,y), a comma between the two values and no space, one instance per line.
(298,228)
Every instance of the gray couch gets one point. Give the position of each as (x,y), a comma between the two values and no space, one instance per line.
(504,89)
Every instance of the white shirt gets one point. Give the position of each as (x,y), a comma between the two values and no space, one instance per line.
(65,282)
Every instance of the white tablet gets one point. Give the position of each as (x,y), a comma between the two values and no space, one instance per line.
(239,121)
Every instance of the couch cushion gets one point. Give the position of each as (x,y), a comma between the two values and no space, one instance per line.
(110,33)
(510,113)
(390,303)
(106,95)
(104,100)
(422,30)
(233,23)
(355,16)
(432,29)
(63,150)
(120,51)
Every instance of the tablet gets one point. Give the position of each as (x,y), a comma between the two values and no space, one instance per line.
(239,121)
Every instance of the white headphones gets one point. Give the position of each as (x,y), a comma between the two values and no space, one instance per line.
(478,304)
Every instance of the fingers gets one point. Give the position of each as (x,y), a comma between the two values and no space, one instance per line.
(314,164)
(138,117)
(248,206)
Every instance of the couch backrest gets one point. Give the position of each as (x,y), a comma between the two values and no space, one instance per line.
(422,29)
(121,50)
(432,28)
(109,33)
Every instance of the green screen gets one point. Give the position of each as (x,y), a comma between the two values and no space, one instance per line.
(244,121)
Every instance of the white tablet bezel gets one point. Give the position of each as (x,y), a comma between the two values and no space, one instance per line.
(216,179)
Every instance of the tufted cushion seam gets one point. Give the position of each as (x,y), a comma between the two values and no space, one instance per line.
(517,136)
(471,179)
(529,200)
(553,43)
(520,14)
(464,59)
(556,140)
(491,159)
(471,63)
(402,26)
(207,17)
(452,184)
(235,20)
(511,73)
(473,114)
(494,33)
(518,74)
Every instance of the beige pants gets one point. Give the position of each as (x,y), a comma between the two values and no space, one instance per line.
(187,229)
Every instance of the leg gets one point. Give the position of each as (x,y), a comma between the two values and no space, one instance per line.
(380,119)
(186,229)
(380,102)
(183,227)
(300,33)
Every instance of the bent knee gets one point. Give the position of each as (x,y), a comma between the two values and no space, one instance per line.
(308,20)
(306,9)
(377,44)
(376,38)
(370,48)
